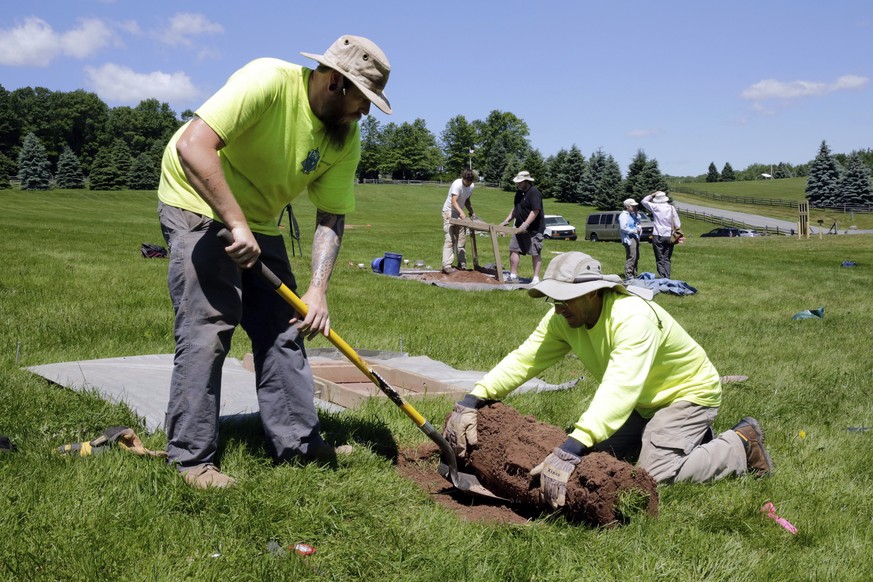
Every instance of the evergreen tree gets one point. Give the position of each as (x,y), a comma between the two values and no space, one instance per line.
(651,180)
(632,187)
(512,168)
(144,173)
(122,159)
(854,183)
(69,174)
(104,173)
(536,165)
(822,184)
(727,173)
(34,168)
(605,176)
(7,168)
(569,181)
(781,171)
(712,175)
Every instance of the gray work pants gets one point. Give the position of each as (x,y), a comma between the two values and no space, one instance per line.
(211,296)
(663,247)
(677,444)
(631,257)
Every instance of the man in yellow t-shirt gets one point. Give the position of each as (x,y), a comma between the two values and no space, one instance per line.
(272,132)
(658,395)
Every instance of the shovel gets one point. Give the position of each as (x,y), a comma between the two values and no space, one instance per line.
(448,468)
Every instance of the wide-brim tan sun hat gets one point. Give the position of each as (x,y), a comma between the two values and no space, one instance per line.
(573,274)
(523,177)
(363,63)
(660,198)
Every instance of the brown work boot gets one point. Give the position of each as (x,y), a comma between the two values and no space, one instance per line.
(207,477)
(752,435)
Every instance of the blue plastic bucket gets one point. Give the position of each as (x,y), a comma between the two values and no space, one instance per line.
(376,265)
(391,264)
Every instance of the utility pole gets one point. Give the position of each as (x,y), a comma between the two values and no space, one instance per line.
(471,158)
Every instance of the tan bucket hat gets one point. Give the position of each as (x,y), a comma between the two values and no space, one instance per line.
(574,274)
(523,176)
(660,197)
(361,62)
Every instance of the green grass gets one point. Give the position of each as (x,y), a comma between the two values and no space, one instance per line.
(784,189)
(73,286)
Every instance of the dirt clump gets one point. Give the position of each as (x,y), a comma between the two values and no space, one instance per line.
(602,491)
(461,276)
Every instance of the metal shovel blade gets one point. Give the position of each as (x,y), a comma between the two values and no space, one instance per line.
(466,482)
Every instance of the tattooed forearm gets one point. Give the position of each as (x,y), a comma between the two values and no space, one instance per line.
(325,246)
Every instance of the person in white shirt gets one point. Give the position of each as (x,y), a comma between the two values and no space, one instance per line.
(456,236)
(666,220)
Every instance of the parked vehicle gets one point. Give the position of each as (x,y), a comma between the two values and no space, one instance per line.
(604,226)
(558,228)
(730,231)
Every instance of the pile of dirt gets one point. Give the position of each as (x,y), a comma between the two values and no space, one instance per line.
(602,491)
(477,276)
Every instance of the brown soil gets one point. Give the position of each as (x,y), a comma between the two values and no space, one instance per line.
(479,276)
(602,491)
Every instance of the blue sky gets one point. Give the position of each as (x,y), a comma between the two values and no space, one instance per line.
(688,82)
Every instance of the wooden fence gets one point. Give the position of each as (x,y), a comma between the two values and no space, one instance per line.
(730,222)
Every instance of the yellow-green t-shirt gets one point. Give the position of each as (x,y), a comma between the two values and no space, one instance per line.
(643,359)
(275,148)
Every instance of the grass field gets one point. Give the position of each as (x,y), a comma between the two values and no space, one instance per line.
(73,286)
(784,189)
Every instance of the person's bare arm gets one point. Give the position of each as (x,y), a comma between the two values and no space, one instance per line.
(198,154)
(325,249)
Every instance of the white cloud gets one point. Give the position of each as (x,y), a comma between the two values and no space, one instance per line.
(32,44)
(36,44)
(641,133)
(185,25)
(87,39)
(117,84)
(773,89)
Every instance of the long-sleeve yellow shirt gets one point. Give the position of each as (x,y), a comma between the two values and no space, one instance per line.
(643,359)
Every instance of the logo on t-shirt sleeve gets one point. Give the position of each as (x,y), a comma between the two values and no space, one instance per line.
(311,161)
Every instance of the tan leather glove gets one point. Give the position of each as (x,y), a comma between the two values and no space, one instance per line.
(461,430)
(554,473)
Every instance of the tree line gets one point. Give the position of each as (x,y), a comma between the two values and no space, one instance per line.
(74,140)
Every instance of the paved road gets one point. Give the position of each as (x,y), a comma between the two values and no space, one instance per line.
(758,221)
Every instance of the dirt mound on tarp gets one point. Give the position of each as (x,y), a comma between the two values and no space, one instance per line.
(602,491)
(460,277)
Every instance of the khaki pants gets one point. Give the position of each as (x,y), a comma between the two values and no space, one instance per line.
(677,444)
(456,240)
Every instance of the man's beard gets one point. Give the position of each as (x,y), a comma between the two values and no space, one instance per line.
(337,131)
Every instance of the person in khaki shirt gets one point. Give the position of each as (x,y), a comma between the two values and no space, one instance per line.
(658,395)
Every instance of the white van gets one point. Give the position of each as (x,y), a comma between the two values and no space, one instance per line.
(604,226)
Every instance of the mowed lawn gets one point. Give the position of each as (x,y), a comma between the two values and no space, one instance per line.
(73,286)
(793,189)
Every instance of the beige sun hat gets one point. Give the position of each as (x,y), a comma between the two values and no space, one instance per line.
(630,202)
(523,176)
(361,62)
(660,197)
(574,274)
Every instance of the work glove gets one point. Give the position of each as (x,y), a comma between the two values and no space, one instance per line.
(473,216)
(555,471)
(461,431)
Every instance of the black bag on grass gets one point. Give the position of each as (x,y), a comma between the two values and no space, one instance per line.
(150,251)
